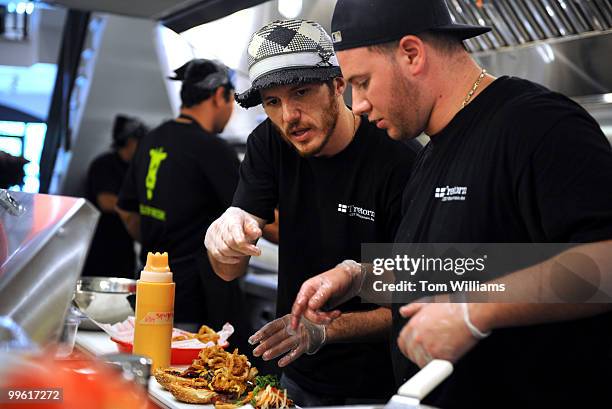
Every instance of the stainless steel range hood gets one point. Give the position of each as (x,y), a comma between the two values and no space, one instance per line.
(517,22)
(43,243)
(565,45)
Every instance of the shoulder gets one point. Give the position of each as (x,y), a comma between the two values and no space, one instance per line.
(533,107)
(264,131)
(265,137)
(103,161)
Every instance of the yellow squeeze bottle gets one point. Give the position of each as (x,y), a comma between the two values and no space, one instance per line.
(154,311)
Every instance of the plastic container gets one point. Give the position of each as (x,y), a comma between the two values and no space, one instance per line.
(178,356)
(155,311)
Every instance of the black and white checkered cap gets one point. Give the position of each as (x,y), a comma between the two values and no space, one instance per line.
(288,52)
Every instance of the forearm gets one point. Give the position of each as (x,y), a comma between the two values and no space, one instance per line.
(270,231)
(490,316)
(229,272)
(107,202)
(550,291)
(361,326)
(131,221)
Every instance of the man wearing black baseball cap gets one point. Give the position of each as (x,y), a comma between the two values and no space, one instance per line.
(522,157)
(337,181)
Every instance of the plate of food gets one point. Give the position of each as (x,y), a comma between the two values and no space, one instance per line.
(227,380)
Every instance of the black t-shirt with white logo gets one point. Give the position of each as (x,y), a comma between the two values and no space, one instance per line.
(327,208)
(519,164)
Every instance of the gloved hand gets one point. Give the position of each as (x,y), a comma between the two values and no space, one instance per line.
(277,338)
(437,331)
(233,236)
(327,290)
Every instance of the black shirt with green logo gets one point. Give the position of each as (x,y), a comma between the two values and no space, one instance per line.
(181,179)
(328,207)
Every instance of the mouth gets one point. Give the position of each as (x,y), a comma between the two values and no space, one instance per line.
(300,135)
(380,123)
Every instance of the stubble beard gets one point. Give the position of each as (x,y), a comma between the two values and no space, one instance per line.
(329,121)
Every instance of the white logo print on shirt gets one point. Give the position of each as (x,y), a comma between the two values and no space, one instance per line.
(447,193)
(356,211)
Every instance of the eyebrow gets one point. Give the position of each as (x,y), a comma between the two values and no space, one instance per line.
(355,77)
(298,86)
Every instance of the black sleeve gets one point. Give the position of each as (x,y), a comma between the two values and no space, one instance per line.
(220,167)
(396,179)
(128,195)
(571,172)
(100,179)
(257,191)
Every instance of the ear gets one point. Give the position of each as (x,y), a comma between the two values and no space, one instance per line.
(411,53)
(219,97)
(339,85)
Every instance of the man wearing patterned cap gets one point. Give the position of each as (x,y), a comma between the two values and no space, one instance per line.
(181,179)
(530,165)
(337,181)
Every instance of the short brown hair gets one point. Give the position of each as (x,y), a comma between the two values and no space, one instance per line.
(443,42)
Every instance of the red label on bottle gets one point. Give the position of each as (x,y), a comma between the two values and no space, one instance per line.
(157,318)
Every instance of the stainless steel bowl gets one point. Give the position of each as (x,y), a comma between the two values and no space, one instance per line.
(104,299)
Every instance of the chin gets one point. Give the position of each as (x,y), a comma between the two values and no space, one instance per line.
(394,134)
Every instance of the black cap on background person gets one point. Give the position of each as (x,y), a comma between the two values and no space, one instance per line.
(200,78)
(361,23)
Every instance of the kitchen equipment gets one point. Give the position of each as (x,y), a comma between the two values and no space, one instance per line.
(104,299)
(44,240)
(410,394)
(135,368)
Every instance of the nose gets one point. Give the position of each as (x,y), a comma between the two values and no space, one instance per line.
(291,112)
(360,104)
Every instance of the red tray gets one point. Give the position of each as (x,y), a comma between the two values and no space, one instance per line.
(179,356)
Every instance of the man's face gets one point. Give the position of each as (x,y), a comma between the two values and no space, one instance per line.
(305,115)
(383,92)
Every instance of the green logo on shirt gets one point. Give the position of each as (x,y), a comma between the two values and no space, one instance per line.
(157,157)
(153,212)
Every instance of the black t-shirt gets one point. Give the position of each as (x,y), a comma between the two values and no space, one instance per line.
(181,179)
(327,208)
(111,253)
(537,168)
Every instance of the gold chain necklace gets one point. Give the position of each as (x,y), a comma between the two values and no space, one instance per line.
(470,94)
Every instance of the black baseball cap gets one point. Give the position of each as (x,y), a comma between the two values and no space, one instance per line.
(362,23)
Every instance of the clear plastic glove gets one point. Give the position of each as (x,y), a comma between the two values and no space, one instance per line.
(326,291)
(233,236)
(277,338)
(435,331)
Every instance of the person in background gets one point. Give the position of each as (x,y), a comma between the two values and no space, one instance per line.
(111,253)
(337,181)
(533,167)
(182,178)
(11,170)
